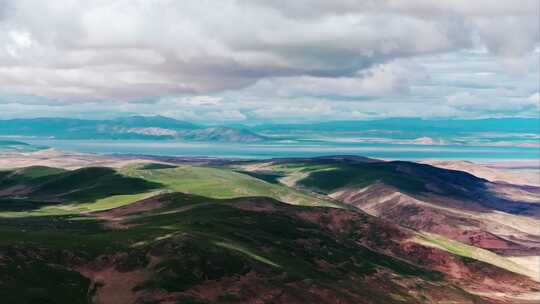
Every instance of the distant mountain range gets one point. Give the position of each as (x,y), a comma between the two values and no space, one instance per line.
(432,125)
(134,127)
(413,128)
(502,131)
(17,147)
(522,132)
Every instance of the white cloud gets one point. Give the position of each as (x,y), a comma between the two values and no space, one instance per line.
(491,103)
(254,60)
(535,97)
(463,99)
(127,49)
(197,100)
(384,79)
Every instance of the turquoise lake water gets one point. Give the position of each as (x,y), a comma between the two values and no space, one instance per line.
(295,149)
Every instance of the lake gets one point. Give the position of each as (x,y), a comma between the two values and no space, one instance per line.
(293,149)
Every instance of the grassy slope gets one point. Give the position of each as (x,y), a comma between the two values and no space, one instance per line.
(213,240)
(92,189)
(50,191)
(29,176)
(326,176)
(472,252)
(90,184)
(215,229)
(221,183)
(233,238)
(361,175)
(43,283)
(287,173)
(330,177)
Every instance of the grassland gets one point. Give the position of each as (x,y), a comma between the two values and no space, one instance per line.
(219,182)
(51,191)
(328,175)
(472,252)
(177,230)
(195,239)
(285,173)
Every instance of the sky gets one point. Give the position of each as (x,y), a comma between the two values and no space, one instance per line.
(250,61)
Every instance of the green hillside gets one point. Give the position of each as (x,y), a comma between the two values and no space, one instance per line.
(161,233)
(328,174)
(28,176)
(195,239)
(45,190)
(219,182)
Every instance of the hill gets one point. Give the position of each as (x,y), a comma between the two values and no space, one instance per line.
(134,127)
(193,249)
(313,230)
(456,205)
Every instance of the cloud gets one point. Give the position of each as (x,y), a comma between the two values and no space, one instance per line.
(393,77)
(130,49)
(535,97)
(492,103)
(238,60)
(197,101)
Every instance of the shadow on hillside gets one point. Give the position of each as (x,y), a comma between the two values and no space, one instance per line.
(85,185)
(417,180)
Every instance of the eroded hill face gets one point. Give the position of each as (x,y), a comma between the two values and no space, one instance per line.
(176,233)
(499,217)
